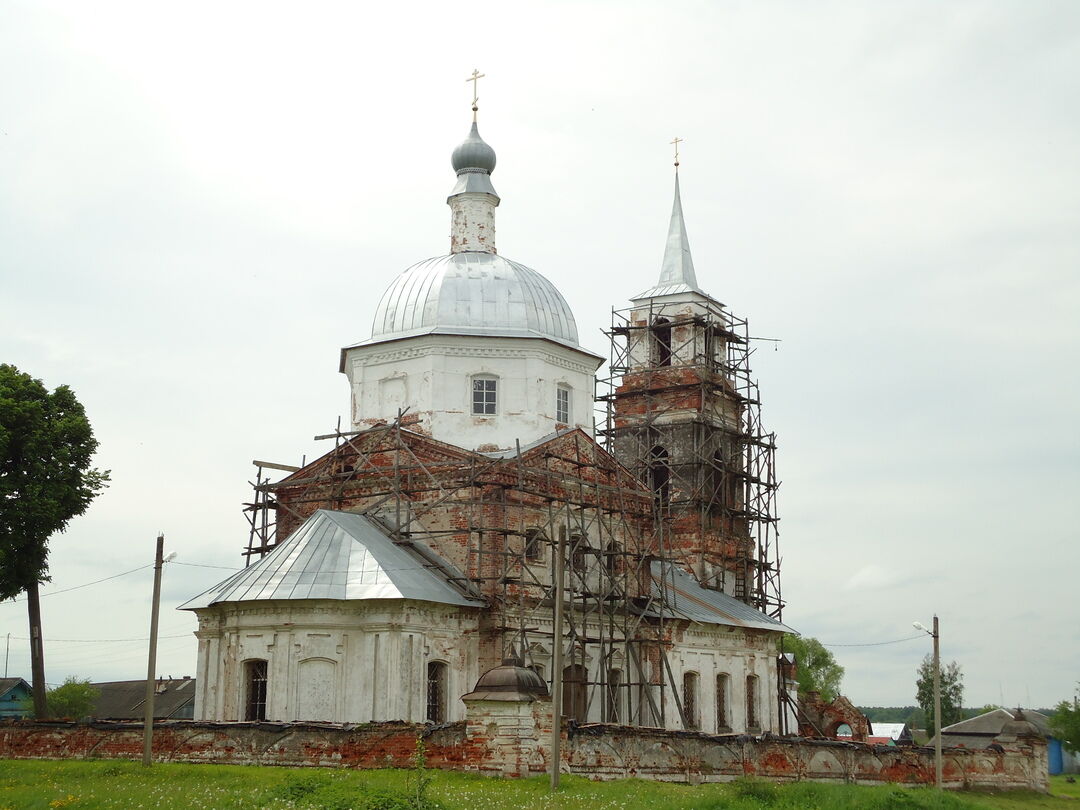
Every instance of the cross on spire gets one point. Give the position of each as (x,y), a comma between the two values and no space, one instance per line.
(676,142)
(475,79)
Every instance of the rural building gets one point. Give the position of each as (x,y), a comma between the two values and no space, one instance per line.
(174,699)
(982,730)
(472,507)
(14,694)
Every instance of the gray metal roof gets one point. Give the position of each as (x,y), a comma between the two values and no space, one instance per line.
(337,555)
(473,293)
(686,598)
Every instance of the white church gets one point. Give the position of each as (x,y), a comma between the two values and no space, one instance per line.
(472,499)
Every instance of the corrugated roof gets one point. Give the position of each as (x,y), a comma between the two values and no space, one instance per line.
(174,698)
(338,555)
(686,598)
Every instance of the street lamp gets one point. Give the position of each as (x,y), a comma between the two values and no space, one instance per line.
(937,695)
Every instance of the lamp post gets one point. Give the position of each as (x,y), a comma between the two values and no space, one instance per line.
(936,635)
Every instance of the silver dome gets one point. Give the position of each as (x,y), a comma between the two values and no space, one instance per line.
(473,153)
(473,294)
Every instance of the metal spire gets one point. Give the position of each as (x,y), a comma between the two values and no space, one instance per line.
(678,266)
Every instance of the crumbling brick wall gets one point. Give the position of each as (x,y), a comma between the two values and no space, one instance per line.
(598,751)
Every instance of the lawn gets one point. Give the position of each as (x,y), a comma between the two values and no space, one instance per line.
(81,785)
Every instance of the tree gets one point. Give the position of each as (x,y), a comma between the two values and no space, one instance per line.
(817,668)
(46,445)
(74,698)
(952,693)
(1065,722)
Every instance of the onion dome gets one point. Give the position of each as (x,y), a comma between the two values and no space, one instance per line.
(473,154)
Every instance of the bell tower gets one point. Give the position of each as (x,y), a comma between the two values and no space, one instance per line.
(683,413)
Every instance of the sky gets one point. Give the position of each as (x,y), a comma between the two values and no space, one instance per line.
(200,204)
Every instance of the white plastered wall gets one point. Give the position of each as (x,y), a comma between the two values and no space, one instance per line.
(364,661)
(432,375)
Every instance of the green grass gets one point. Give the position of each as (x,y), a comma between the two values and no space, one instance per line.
(81,785)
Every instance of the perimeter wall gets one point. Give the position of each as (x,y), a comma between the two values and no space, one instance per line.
(503,743)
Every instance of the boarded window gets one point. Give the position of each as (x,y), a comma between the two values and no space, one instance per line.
(483,396)
(436,692)
(255,677)
(574,696)
(660,475)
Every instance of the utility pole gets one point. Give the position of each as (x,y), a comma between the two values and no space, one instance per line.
(37,650)
(7,653)
(556,663)
(937,703)
(148,722)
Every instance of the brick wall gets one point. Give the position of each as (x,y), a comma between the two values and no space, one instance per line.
(480,744)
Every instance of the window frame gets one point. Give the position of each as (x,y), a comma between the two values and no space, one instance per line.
(436,691)
(489,396)
(563,410)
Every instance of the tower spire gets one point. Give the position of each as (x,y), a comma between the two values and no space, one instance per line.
(473,199)
(678,265)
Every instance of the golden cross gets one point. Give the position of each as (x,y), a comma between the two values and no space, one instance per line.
(676,142)
(475,79)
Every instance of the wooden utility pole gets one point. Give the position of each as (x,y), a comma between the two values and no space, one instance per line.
(37,651)
(148,722)
(937,704)
(556,663)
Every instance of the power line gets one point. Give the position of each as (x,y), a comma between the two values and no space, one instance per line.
(88,584)
(874,643)
(97,640)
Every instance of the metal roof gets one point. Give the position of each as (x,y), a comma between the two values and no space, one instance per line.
(338,555)
(473,293)
(686,598)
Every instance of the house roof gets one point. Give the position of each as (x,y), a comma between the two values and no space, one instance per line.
(979,731)
(686,598)
(125,700)
(339,555)
(890,730)
(8,685)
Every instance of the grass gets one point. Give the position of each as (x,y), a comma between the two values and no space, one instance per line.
(82,785)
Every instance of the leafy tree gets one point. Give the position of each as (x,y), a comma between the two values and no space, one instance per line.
(46,445)
(952,693)
(1065,722)
(74,698)
(817,668)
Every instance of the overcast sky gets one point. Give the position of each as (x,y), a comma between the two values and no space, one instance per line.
(200,204)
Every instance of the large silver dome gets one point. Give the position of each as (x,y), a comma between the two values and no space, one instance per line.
(473,294)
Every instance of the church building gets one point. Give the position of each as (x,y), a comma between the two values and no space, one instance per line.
(473,515)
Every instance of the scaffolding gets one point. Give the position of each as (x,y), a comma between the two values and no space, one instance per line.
(680,383)
(514,510)
(500,522)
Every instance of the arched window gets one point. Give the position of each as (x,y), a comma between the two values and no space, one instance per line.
(614,695)
(574,697)
(843,730)
(723,721)
(562,405)
(534,545)
(661,334)
(753,718)
(659,475)
(436,691)
(690,700)
(255,690)
(484,395)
